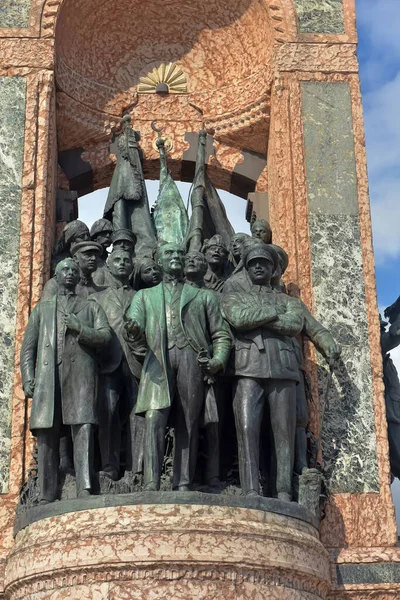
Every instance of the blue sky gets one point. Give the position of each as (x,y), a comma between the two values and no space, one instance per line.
(379,55)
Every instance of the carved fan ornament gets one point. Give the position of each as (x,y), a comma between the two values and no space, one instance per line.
(168,79)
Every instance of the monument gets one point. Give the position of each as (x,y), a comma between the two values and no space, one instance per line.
(186,411)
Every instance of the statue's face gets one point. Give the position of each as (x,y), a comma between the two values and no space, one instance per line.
(124,245)
(120,265)
(171,259)
(68,275)
(194,265)
(216,255)
(103,238)
(87,260)
(236,245)
(83,236)
(261,232)
(150,274)
(260,270)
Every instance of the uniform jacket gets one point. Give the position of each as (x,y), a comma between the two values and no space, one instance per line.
(264,325)
(79,369)
(202,323)
(115,302)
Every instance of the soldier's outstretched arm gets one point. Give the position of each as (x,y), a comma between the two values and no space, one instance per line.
(319,335)
(244,311)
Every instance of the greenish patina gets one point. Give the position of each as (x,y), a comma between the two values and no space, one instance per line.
(14,13)
(320,16)
(170,216)
(349,440)
(12,129)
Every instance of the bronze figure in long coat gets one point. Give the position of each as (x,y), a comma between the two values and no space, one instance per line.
(60,372)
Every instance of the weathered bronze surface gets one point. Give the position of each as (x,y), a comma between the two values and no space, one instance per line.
(130,352)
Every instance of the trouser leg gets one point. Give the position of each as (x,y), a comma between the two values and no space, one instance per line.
(154,443)
(82,438)
(282,404)
(135,424)
(189,402)
(48,442)
(109,423)
(301,424)
(66,462)
(212,466)
(248,405)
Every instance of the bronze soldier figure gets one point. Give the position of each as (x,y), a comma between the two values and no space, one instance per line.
(179,321)
(59,371)
(265,369)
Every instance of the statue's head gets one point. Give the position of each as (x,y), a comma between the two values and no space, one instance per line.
(86,254)
(261,262)
(170,257)
(124,239)
(101,231)
(261,229)
(283,261)
(195,265)
(120,265)
(147,273)
(67,274)
(236,245)
(215,251)
(75,232)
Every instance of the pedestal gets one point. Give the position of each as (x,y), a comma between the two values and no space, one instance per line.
(187,550)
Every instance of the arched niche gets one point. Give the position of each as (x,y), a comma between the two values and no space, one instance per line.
(226,53)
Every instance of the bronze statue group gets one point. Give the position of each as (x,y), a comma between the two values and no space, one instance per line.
(183,325)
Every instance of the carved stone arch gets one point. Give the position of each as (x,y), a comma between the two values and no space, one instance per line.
(228,62)
(283,19)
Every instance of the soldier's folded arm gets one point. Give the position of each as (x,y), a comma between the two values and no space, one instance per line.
(291,323)
(244,312)
(98,335)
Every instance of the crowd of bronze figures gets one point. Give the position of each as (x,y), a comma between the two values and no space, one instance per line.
(154,322)
(122,348)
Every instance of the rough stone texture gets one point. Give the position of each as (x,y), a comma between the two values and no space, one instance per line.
(349,441)
(14,13)
(320,16)
(330,58)
(12,109)
(183,551)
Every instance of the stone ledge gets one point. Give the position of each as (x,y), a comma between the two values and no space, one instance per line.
(61,507)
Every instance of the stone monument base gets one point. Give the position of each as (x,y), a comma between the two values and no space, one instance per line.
(192,548)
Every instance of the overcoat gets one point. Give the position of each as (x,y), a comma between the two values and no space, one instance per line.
(115,302)
(204,327)
(77,364)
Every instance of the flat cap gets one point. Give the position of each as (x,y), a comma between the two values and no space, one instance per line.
(261,250)
(87,246)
